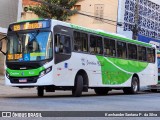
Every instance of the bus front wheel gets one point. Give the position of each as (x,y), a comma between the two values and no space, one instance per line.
(40,91)
(78,86)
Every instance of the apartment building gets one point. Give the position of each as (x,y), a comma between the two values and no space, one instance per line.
(148,19)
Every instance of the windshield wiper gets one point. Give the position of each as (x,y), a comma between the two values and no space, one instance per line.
(34,36)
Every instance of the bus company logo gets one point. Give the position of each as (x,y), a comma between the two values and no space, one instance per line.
(14,73)
(83,61)
(91,62)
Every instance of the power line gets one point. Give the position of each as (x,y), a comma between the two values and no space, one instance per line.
(68,10)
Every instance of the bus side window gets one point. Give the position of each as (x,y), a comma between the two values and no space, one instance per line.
(62,44)
(132,51)
(142,53)
(150,55)
(109,47)
(96,45)
(121,50)
(80,41)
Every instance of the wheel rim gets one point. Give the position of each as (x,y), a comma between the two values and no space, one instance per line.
(135,85)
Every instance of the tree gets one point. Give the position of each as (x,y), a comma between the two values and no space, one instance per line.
(53,9)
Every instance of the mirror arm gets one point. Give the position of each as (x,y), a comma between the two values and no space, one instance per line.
(3,52)
(3,38)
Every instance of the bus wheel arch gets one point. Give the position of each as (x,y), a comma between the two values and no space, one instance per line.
(81,83)
(135,85)
(85,79)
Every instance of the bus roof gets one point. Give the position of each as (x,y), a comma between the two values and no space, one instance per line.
(98,32)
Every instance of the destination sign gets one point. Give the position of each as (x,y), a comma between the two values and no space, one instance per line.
(29,25)
(158,55)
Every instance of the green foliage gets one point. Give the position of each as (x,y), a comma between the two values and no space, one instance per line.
(53,9)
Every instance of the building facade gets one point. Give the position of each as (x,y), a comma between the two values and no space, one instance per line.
(25,13)
(104,12)
(10,11)
(148,19)
(101,10)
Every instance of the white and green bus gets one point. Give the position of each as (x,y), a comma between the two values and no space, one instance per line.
(54,55)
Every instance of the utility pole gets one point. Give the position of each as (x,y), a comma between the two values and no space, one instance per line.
(136,18)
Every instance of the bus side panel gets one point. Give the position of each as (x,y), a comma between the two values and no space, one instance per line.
(65,72)
(148,76)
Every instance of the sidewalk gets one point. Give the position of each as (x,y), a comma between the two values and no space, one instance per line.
(8,91)
(1,80)
(1,77)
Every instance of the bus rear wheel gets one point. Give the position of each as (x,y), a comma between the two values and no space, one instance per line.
(101,91)
(78,87)
(154,90)
(40,91)
(134,87)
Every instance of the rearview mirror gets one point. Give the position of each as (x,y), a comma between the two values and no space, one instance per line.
(3,42)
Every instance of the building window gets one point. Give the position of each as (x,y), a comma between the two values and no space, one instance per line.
(149,19)
(98,13)
(77,7)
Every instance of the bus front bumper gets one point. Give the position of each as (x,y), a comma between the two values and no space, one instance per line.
(33,81)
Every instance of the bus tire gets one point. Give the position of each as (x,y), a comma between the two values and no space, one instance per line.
(78,87)
(40,91)
(154,90)
(134,87)
(101,91)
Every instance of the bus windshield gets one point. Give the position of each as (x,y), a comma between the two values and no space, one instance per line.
(32,46)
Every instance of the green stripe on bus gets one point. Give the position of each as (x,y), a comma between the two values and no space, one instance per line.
(24,73)
(117,71)
(129,65)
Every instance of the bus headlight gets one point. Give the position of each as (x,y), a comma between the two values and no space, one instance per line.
(44,72)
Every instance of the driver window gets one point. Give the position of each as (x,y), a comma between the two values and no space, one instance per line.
(34,46)
(62,44)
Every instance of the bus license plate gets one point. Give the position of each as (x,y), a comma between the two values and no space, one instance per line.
(23,80)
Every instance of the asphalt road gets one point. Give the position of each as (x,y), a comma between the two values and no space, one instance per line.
(15,99)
